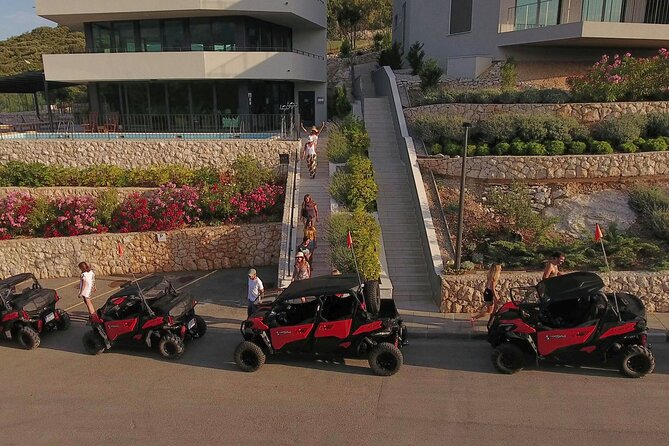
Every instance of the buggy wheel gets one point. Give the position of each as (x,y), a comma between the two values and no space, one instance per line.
(372,293)
(200,326)
(636,361)
(508,358)
(27,337)
(64,321)
(93,343)
(385,359)
(249,356)
(171,346)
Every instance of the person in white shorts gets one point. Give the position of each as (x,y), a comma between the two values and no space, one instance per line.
(87,286)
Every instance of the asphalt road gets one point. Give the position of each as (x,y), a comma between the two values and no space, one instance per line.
(447,393)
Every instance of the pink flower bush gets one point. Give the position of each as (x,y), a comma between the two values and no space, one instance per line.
(625,78)
(15,209)
(258,202)
(74,216)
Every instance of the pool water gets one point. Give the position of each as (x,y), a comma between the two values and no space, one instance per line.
(103,136)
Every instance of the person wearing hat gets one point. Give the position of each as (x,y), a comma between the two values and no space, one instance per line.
(313,133)
(255,291)
(302,269)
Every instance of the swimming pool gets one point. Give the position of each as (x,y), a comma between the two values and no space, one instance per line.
(137,136)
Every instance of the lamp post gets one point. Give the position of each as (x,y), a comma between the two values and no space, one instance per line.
(461,207)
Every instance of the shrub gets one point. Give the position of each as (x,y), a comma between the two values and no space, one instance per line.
(391,57)
(482,150)
(42,213)
(654,145)
(215,201)
(600,147)
(560,128)
(657,124)
(378,39)
(508,97)
(249,174)
(531,127)
(452,149)
(430,74)
(535,149)
(555,147)
(74,216)
(133,214)
(497,128)
(438,128)
(415,57)
(205,175)
(517,148)
(628,147)
(338,149)
(173,207)
(28,174)
(106,203)
(659,224)
(342,105)
(356,135)
(339,186)
(103,175)
(645,200)
(624,129)
(15,210)
(554,96)
(529,96)
(436,149)
(516,205)
(577,147)
(509,74)
(501,148)
(365,233)
(345,49)
(261,202)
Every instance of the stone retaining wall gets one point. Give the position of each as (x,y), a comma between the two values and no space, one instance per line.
(462,294)
(140,153)
(523,168)
(586,113)
(51,193)
(229,246)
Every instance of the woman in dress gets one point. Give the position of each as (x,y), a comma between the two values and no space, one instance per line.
(302,270)
(309,152)
(309,210)
(490,293)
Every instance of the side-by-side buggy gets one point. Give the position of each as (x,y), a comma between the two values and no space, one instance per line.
(328,315)
(150,312)
(569,319)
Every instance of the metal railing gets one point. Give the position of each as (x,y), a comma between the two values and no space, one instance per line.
(197,48)
(553,12)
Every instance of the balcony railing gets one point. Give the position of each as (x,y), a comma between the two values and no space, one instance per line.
(554,12)
(201,48)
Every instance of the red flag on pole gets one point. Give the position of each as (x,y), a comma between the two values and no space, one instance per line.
(120,249)
(598,233)
(349,240)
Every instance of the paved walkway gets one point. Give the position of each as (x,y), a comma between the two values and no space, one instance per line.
(319,189)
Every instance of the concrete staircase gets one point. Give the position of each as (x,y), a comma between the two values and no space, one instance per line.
(407,266)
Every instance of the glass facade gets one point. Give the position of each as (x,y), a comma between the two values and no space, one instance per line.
(236,33)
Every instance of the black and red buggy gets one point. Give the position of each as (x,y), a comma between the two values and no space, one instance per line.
(146,312)
(27,310)
(328,315)
(570,320)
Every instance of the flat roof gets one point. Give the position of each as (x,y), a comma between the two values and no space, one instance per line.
(29,82)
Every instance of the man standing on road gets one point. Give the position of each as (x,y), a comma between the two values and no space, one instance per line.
(255,291)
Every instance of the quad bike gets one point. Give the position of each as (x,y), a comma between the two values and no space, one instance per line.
(149,312)
(328,315)
(25,315)
(570,320)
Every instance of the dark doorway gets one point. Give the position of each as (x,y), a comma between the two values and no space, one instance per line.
(307,101)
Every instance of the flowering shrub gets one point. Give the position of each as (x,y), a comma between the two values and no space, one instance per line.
(259,202)
(215,200)
(133,214)
(74,216)
(15,211)
(623,78)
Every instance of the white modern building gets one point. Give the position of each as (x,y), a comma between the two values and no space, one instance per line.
(465,36)
(195,58)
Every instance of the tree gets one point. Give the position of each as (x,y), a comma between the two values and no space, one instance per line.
(430,74)
(349,17)
(415,57)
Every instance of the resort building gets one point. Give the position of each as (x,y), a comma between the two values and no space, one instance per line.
(465,36)
(195,64)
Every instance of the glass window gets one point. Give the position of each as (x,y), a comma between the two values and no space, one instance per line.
(203,97)
(223,34)
(174,35)
(252,34)
(138,98)
(101,33)
(227,97)
(461,16)
(282,38)
(178,97)
(150,35)
(124,37)
(200,34)
(109,98)
(157,98)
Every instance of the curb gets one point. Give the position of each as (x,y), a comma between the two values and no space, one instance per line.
(658,337)
(479,336)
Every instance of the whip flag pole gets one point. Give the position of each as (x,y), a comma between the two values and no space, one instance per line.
(599,237)
(121,252)
(349,245)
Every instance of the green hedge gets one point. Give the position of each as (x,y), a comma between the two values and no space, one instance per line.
(354,187)
(366,235)
(495,96)
(349,139)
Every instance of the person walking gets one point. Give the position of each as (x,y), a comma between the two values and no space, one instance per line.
(311,232)
(309,154)
(87,286)
(490,297)
(309,210)
(314,133)
(305,248)
(552,268)
(255,291)
(302,270)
